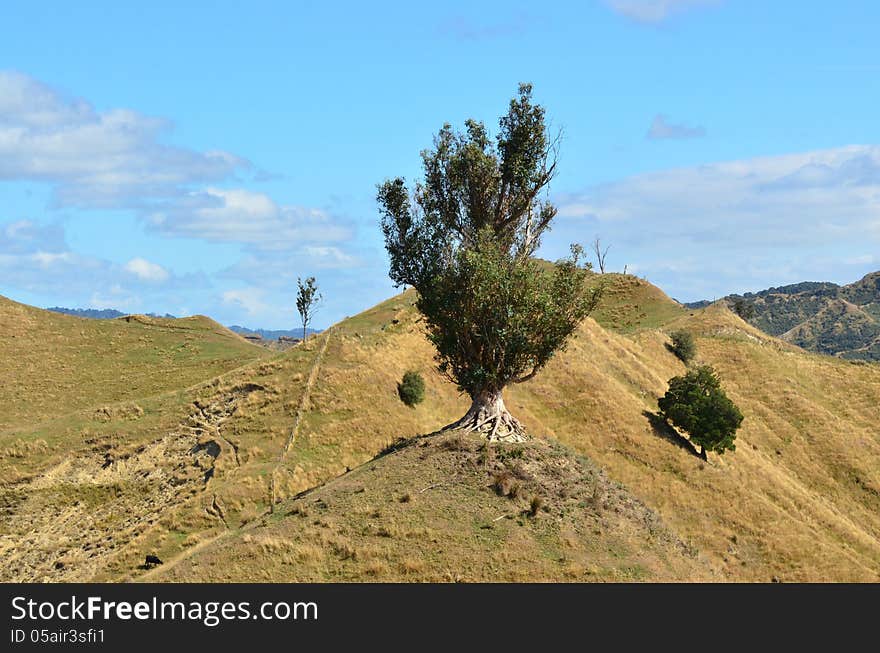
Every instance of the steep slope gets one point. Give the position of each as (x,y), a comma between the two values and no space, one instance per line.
(799,499)
(630,304)
(129,457)
(839,327)
(53,363)
(823,317)
(452,508)
(865,291)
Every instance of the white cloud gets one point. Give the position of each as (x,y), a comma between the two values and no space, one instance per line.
(114,158)
(329,257)
(724,226)
(661,128)
(35,258)
(654,11)
(27,236)
(147,271)
(249,299)
(864,259)
(48,259)
(120,159)
(117,159)
(244,216)
(805,198)
(116,297)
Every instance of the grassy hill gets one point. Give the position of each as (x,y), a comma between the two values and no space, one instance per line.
(841,321)
(53,363)
(193,478)
(452,508)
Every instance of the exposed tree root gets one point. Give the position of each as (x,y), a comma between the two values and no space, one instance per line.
(488,416)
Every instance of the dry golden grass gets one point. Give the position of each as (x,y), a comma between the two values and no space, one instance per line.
(798,500)
(54,364)
(456,520)
(799,497)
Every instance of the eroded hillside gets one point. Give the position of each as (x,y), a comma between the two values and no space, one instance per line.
(798,500)
(53,363)
(450,507)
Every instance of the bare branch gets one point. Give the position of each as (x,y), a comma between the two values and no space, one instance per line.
(600,254)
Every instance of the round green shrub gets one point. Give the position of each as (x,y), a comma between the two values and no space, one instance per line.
(697,404)
(683,346)
(411,389)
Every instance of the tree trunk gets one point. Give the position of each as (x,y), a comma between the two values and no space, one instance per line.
(489,416)
(304,333)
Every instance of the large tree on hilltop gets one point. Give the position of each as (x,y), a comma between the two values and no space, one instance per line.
(465,240)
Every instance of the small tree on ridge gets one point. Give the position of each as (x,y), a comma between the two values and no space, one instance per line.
(307,299)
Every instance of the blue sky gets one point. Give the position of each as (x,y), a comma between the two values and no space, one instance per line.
(199,158)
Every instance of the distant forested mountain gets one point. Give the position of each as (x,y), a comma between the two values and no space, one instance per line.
(94,313)
(269,334)
(823,317)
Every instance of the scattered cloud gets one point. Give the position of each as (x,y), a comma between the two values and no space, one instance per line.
(24,236)
(47,259)
(44,135)
(36,258)
(146,271)
(248,299)
(654,11)
(110,159)
(247,217)
(329,257)
(116,298)
(35,255)
(802,198)
(863,259)
(739,224)
(661,128)
(119,159)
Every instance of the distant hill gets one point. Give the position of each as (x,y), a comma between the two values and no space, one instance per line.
(100,314)
(52,364)
(92,313)
(110,313)
(841,321)
(269,334)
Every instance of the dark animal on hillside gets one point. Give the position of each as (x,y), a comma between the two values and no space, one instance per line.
(152,561)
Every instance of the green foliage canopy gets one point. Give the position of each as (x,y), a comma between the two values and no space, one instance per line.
(465,241)
(411,389)
(744,309)
(307,299)
(696,403)
(683,345)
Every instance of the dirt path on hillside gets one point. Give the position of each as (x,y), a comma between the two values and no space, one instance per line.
(304,400)
(291,438)
(183,555)
(300,412)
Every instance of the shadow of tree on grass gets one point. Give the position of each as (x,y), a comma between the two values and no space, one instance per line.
(664,430)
